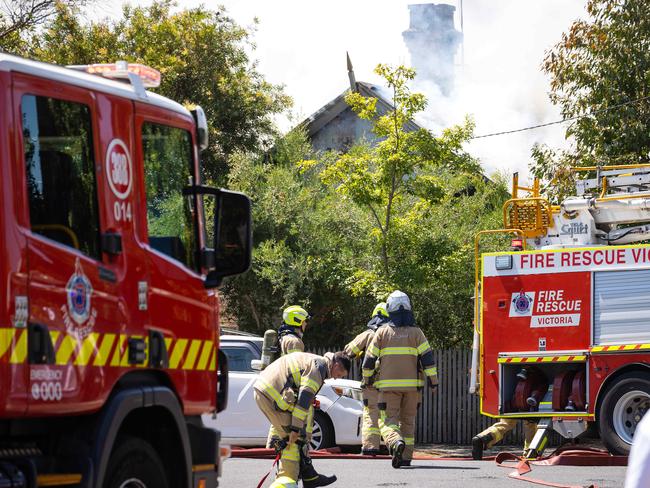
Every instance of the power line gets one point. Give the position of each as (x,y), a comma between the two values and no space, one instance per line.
(563,120)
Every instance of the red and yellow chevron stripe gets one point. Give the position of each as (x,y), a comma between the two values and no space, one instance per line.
(545,359)
(621,348)
(108,350)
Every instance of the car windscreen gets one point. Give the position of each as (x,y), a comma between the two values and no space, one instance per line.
(239,357)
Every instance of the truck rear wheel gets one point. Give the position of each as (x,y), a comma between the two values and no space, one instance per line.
(135,464)
(624,405)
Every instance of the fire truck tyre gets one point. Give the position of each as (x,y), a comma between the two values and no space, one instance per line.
(322,436)
(135,464)
(624,404)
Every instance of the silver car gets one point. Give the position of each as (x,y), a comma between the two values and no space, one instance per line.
(337,420)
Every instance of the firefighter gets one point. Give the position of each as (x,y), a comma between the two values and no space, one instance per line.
(284,392)
(394,359)
(493,434)
(294,322)
(370,437)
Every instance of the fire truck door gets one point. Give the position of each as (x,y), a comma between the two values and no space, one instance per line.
(73,297)
(179,304)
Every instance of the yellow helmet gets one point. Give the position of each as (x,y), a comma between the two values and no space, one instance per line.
(295,315)
(380,309)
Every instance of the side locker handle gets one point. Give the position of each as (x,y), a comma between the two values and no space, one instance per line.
(39,345)
(158,357)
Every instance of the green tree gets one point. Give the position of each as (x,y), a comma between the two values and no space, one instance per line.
(423,198)
(308,244)
(600,74)
(405,166)
(18,18)
(202,55)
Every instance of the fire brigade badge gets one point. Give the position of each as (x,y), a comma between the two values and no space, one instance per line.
(78,314)
(522,304)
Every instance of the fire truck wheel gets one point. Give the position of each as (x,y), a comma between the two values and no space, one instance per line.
(624,404)
(135,464)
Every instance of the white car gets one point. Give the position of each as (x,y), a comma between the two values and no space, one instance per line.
(336,423)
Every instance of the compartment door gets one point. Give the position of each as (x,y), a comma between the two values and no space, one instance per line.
(622,307)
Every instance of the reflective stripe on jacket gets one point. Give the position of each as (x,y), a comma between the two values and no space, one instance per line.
(292,382)
(402,352)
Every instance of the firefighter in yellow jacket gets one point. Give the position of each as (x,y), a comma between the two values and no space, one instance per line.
(398,352)
(294,322)
(284,392)
(370,435)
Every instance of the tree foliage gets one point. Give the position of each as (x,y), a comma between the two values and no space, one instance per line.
(402,166)
(307,245)
(600,73)
(18,18)
(324,220)
(202,55)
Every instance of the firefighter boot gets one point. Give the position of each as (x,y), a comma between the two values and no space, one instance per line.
(370,452)
(310,478)
(480,442)
(398,450)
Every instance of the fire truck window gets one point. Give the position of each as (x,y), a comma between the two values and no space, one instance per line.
(168,169)
(61,181)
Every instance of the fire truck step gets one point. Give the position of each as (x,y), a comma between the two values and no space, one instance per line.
(66,479)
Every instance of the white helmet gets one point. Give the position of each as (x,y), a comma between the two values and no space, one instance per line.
(396,300)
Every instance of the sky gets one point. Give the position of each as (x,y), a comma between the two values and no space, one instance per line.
(302,45)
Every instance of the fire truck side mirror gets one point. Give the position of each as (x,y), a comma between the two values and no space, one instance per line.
(233,234)
(201,127)
(233,241)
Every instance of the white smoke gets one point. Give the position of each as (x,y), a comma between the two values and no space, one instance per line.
(302,44)
(501,83)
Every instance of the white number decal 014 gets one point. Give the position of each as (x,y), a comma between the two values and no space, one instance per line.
(122,211)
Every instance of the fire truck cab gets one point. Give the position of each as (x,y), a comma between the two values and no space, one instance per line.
(111,250)
(562,319)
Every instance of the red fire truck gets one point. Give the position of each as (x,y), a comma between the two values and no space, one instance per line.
(109,262)
(562,320)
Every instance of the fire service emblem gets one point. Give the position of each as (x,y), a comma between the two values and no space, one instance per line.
(79,316)
(522,303)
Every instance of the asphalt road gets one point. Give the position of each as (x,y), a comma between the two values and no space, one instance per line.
(246,473)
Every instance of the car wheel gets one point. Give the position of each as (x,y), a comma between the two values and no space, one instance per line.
(322,436)
(623,407)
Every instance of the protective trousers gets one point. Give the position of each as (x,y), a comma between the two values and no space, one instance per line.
(503,426)
(309,428)
(370,433)
(289,465)
(397,409)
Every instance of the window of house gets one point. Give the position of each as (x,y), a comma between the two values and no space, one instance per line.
(61,183)
(168,169)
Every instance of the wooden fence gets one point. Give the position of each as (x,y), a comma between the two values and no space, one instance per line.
(451,415)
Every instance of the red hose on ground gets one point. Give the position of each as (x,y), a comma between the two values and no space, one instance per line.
(563,456)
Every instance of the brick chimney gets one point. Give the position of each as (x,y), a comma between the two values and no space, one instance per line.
(433,41)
